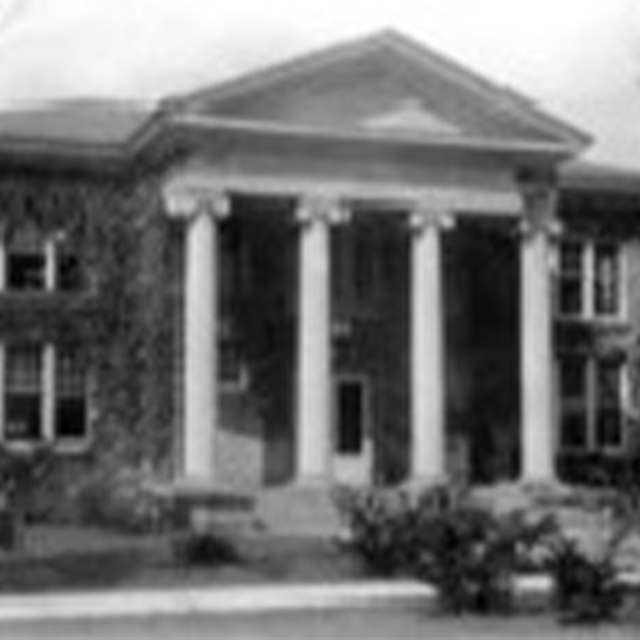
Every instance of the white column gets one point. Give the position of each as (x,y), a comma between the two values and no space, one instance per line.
(200,332)
(3,260)
(427,368)
(313,384)
(49,393)
(3,373)
(537,442)
(50,263)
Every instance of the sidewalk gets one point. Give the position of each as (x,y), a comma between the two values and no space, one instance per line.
(214,600)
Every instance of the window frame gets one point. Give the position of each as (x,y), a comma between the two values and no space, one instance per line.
(37,393)
(48,404)
(52,249)
(65,442)
(588,280)
(592,404)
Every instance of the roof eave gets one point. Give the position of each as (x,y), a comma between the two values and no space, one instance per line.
(37,151)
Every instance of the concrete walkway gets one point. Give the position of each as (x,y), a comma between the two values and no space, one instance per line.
(120,603)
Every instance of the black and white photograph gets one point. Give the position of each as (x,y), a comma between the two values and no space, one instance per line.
(320,319)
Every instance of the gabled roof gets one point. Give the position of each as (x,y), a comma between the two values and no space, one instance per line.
(413,96)
(587,176)
(74,122)
(423,64)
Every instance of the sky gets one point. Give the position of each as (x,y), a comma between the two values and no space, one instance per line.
(578,59)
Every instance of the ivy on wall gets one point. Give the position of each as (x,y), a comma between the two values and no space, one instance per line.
(123,320)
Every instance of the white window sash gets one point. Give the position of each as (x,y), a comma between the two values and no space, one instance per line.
(48,405)
(588,280)
(621,312)
(591,404)
(622,382)
(588,310)
(50,251)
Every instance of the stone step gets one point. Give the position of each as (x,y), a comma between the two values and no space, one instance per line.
(204,506)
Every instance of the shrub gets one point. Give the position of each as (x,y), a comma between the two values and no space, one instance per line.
(381,525)
(585,589)
(472,555)
(468,553)
(587,585)
(204,549)
(123,504)
(21,473)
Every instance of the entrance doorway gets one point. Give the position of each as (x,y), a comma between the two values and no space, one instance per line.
(353,446)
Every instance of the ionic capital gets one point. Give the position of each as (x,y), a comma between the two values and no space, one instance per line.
(191,203)
(548,226)
(320,209)
(423,218)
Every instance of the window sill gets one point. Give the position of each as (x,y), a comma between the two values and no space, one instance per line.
(71,447)
(45,294)
(75,447)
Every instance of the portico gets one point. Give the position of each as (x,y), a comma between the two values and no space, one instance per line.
(203,208)
(346,141)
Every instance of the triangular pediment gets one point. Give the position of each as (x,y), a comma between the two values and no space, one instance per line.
(410,115)
(385,83)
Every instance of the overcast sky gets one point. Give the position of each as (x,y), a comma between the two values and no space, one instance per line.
(579,59)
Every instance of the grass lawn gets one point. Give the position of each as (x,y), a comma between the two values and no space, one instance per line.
(66,558)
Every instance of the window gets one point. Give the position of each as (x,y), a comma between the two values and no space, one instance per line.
(608,409)
(69,276)
(606,279)
(570,287)
(23,393)
(26,260)
(589,279)
(38,262)
(44,394)
(71,410)
(591,403)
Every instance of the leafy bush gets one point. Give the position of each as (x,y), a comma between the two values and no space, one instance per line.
(123,504)
(585,589)
(21,473)
(381,525)
(587,585)
(470,554)
(204,549)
